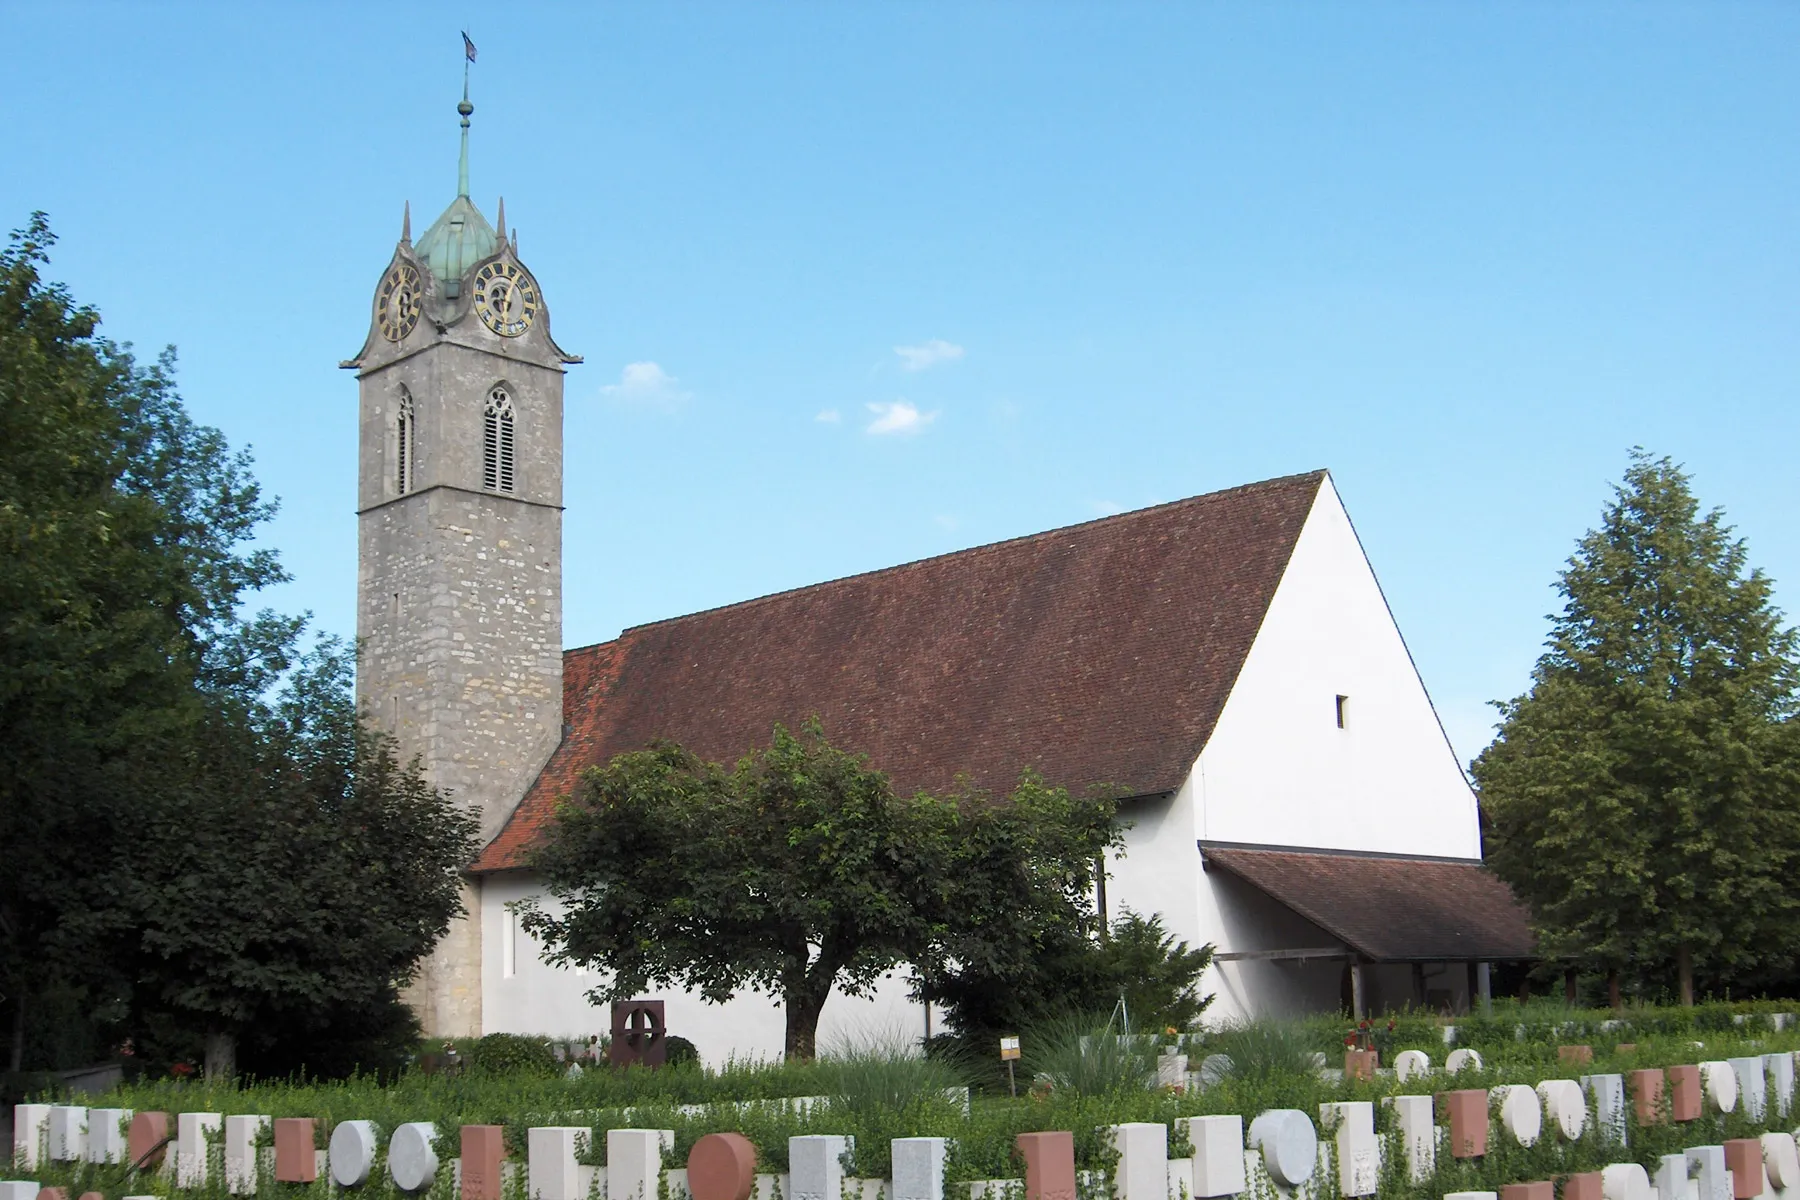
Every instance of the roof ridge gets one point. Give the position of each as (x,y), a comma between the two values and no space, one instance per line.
(1114,518)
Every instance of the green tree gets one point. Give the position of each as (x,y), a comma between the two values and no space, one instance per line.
(801,870)
(1644,796)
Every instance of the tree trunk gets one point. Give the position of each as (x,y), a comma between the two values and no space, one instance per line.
(221,1055)
(18,1033)
(1684,973)
(1570,993)
(1612,989)
(802,1007)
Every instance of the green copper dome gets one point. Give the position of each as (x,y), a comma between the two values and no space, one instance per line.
(457,241)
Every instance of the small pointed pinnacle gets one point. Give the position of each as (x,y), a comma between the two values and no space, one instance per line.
(406,224)
(515,243)
(502,219)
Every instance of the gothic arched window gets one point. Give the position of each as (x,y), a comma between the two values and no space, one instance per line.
(497,442)
(403,444)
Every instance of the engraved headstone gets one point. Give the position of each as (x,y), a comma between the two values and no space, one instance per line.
(551,1169)
(1352,1127)
(192,1131)
(1049,1164)
(1288,1143)
(68,1132)
(1460,1060)
(1647,1095)
(1752,1085)
(1411,1064)
(1686,1098)
(1718,1082)
(1707,1165)
(1171,1072)
(106,1134)
(295,1160)
(1577,1056)
(815,1167)
(1564,1106)
(1468,1113)
(352,1152)
(1521,1113)
(412,1159)
(1143,1170)
(1218,1144)
(19,1189)
(634,1162)
(1608,1092)
(1781,1081)
(1585,1185)
(1418,1134)
(1781,1159)
(240,1153)
(918,1169)
(1541,1189)
(1671,1177)
(483,1151)
(31,1135)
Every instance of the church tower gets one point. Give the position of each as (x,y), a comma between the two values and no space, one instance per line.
(459,536)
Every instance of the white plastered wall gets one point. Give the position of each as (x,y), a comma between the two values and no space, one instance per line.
(1279,771)
(523,994)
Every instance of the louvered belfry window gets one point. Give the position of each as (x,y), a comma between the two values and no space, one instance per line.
(403,444)
(497,442)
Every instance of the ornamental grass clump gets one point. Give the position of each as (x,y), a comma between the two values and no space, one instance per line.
(1268,1048)
(1090,1058)
(866,1074)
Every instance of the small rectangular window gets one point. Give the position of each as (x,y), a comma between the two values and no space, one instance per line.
(509,945)
(1343,704)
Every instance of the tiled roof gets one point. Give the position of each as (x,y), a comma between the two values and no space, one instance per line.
(1389,908)
(1100,654)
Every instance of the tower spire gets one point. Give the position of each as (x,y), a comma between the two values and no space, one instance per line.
(406,223)
(501,223)
(462,166)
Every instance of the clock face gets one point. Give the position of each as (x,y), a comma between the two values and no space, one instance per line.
(506,298)
(399,302)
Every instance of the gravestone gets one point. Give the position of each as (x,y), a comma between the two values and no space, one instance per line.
(918,1169)
(352,1153)
(1171,1072)
(1288,1143)
(240,1153)
(412,1160)
(53,1193)
(68,1132)
(1218,1144)
(1564,1106)
(1781,1159)
(483,1154)
(1671,1177)
(1586,1185)
(147,1145)
(1521,1113)
(1411,1064)
(1352,1126)
(1752,1085)
(1686,1099)
(1541,1189)
(31,1135)
(1418,1134)
(1608,1092)
(19,1189)
(1707,1164)
(1781,1081)
(1718,1083)
(1143,1170)
(1744,1158)
(639,1035)
(1646,1095)
(1471,1196)
(1625,1181)
(1577,1056)
(634,1162)
(1049,1165)
(296,1160)
(192,1128)
(552,1171)
(815,1166)
(1468,1113)
(1460,1060)
(106,1134)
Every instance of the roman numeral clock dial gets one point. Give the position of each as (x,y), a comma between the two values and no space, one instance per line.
(398,303)
(506,298)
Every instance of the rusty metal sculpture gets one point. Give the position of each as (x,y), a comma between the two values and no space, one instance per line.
(639,1035)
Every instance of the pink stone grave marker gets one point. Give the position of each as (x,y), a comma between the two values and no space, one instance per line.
(722,1166)
(295,1157)
(149,1136)
(483,1150)
(1049,1165)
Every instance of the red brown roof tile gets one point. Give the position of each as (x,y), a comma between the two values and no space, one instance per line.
(1390,908)
(1099,654)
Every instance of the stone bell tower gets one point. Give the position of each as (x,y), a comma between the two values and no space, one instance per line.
(459,536)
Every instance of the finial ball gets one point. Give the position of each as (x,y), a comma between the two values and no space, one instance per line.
(465,108)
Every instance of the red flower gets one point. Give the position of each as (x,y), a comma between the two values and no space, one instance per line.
(182,1069)
(1349,1039)
(1365,1024)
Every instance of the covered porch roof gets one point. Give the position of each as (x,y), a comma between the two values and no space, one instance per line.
(1386,907)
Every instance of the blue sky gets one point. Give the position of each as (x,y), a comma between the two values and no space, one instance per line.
(1043,262)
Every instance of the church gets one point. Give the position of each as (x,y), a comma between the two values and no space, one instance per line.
(1228,662)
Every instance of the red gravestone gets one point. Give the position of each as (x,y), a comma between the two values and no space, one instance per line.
(483,1149)
(1539,1190)
(1049,1165)
(1625,1048)
(93,1196)
(53,1193)
(1468,1112)
(1646,1095)
(1585,1186)
(1744,1157)
(1684,1093)
(147,1142)
(722,1166)
(1576,1055)
(1361,1064)
(295,1159)
(638,1033)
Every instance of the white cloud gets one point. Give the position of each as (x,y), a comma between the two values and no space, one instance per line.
(829,416)
(647,384)
(899,417)
(928,354)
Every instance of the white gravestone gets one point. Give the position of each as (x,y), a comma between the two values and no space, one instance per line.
(634,1162)
(552,1169)
(1411,1064)
(108,1134)
(1171,1072)
(1707,1164)
(352,1153)
(815,1167)
(919,1167)
(31,1134)
(1625,1181)
(1753,1085)
(1672,1177)
(240,1153)
(1460,1060)
(1181,1179)
(20,1189)
(1352,1126)
(1418,1134)
(1143,1170)
(191,1130)
(1781,1081)
(1471,1196)
(1781,1159)
(1218,1162)
(412,1159)
(1521,1114)
(1288,1143)
(1608,1092)
(68,1132)
(1719,1082)
(1565,1106)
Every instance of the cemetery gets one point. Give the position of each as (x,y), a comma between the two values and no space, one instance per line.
(1534,1102)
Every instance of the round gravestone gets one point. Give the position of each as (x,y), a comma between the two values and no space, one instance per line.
(722,1166)
(1215,1067)
(1565,1106)
(1719,1082)
(147,1142)
(1462,1060)
(1289,1145)
(1520,1113)
(1625,1181)
(412,1162)
(1782,1159)
(352,1152)
(1411,1064)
